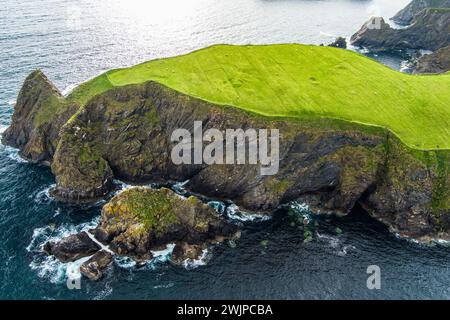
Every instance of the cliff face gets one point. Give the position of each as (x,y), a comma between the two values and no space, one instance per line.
(430,30)
(406,15)
(39,113)
(125,133)
(436,62)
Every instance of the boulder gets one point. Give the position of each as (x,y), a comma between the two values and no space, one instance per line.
(72,248)
(94,267)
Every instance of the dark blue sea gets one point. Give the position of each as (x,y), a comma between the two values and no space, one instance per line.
(72,41)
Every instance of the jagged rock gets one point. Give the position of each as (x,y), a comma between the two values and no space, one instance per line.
(94,267)
(39,114)
(141,219)
(430,30)
(72,247)
(407,14)
(184,251)
(340,42)
(436,62)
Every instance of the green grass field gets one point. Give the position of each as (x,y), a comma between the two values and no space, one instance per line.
(299,81)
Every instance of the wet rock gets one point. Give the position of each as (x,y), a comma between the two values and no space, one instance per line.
(184,251)
(141,219)
(94,267)
(72,248)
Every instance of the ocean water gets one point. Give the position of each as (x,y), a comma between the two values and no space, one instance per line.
(72,41)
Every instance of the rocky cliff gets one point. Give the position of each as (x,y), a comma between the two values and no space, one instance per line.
(407,15)
(39,114)
(332,165)
(430,30)
(436,62)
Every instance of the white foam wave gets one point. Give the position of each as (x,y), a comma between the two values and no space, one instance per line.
(234,213)
(44,196)
(13,154)
(159,256)
(336,244)
(11,102)
(179,187)
(3,128)
(164,286)
(219,206)
(124,262)
(190,264)
(49,267)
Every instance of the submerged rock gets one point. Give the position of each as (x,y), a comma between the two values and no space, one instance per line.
(430,30)
(72,248)
(436,62)
(94,267)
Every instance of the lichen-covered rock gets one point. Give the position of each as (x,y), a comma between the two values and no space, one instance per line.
(72,248)
(141,219)
(39,114)
(407,14)
(430,30)
(436,62)
(94,267)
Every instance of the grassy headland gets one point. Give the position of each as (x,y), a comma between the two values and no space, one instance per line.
(297,82)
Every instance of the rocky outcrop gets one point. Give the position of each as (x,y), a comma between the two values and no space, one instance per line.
(430,30)
(436,62)
(340,42)
(140,220)
(332,165)
(39,114)
(407,15)
(94,267)
(72,248)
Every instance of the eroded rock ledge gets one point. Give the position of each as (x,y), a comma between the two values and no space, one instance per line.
(141,220)
(331,165)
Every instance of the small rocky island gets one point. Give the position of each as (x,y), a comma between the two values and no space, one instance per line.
(140,220)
